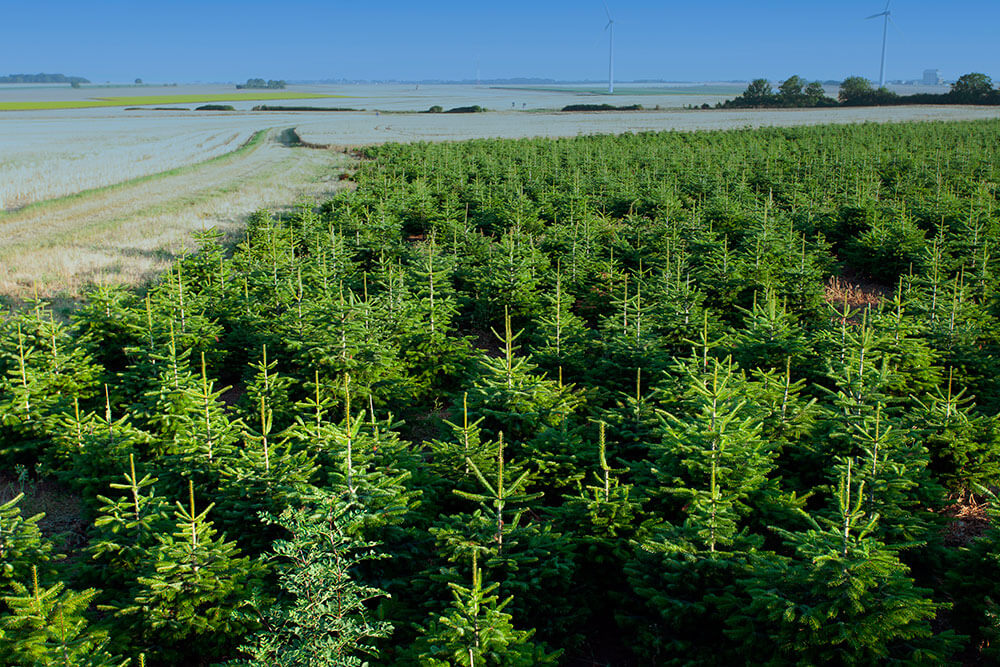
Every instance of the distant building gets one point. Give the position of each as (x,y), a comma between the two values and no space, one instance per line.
(932,77)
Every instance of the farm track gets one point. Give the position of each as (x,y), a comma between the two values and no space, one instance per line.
(129,232)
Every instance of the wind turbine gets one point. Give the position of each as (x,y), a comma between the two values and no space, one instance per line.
(885,13)
(611,50)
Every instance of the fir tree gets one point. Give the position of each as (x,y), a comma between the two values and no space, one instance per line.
(477,631)
(47,627)
(22,545)
(843,596)
(186,601)
(126,529)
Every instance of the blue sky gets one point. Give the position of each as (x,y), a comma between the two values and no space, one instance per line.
(221,40)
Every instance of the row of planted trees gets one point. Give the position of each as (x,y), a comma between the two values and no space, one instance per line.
(528,402)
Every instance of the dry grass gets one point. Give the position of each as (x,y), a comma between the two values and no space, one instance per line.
(129,234)
(855,292)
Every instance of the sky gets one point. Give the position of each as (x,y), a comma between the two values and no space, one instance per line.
(221,40)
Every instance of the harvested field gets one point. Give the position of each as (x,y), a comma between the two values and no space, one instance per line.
(127,234)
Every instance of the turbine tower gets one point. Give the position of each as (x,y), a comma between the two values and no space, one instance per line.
(885,13)
(610,27)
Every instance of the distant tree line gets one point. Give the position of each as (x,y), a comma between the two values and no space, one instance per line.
(856,91)
(437,108)
(42,78)
(261,83)
(601,107)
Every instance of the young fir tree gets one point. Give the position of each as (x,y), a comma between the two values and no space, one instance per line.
(964,444)
(109,322)
(169,396)
(770,337)
(370,465)
(265,475)
(628,341)
(434,357)
(915,363)
(892,464)
(787,415)
(508,280)
(858,378)
(602,512)
(560,338)
(703,485)
(712,457)
(206,438)
(477,631)
(450,463)
(22,545)
(524,554)
(842,596)
(677,309)
(269,387)
(40,369)
(513,398)
(47,626)
(186,601)
(91,450)
(632,420)
(126,530)
(324,615)
(600,521)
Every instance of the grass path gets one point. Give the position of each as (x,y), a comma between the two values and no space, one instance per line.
(127,233)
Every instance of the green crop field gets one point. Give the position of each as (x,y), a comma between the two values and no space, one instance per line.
(658,398)
(139,100)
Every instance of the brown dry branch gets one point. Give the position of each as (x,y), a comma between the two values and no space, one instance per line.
(857,293)
(968,520)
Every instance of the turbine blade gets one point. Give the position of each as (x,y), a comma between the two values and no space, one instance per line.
(607,11)
(875,16)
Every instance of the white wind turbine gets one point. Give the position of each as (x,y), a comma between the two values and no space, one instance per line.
(611,50)
(886,14)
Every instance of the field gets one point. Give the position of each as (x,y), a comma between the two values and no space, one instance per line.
(49,158)
(151,100)
(128,232)
(656,398)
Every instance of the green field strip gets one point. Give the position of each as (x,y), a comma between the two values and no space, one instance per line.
(159,99)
